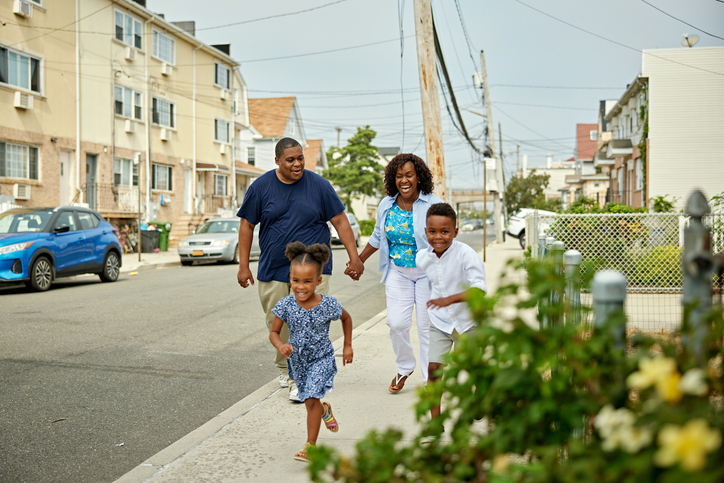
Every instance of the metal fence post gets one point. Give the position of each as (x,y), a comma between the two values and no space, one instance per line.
(556,254)
(609,293)
(572,266)
(541,245)
(698,267)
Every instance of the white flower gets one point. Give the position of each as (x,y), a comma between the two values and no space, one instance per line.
(694,383)
(635,438)
(488,353)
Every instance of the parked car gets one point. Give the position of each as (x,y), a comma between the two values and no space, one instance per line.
(38,245)
(216,240)
(355,229)
(472,224)
(516,226)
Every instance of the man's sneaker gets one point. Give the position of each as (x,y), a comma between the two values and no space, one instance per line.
(293,392)
(283,380)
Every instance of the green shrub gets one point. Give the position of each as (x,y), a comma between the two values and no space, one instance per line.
(658,267)
(366,227)
(565,403)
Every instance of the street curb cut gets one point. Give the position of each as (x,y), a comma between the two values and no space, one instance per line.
(177,450)
(146,266)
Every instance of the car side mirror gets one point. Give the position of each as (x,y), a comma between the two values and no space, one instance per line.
(61,229)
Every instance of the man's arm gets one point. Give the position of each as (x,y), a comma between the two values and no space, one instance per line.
(246,234)
(346,236)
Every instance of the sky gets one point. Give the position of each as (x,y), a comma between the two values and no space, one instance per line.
(353,63)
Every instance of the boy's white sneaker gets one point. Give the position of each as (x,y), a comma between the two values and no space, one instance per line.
(293,392)
(283,380)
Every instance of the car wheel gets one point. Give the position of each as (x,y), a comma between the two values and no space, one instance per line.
(521,239)
(41,274)
(111,268)
(186,263)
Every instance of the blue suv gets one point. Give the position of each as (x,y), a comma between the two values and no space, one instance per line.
(38,245)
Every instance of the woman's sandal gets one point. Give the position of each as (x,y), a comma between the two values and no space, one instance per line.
(328,418)
(398,382)
(302,455)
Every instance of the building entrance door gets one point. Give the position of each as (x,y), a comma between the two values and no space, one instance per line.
(91,175)
(66,163)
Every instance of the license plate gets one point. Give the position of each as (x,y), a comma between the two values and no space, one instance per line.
(197,253)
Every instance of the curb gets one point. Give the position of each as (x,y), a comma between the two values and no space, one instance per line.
(177,450)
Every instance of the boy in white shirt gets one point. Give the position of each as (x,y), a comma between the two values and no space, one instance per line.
(454,270)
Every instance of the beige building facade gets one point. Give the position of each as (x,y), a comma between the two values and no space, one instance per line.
(114,101)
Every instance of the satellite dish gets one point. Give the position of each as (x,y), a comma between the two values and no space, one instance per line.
(689,40)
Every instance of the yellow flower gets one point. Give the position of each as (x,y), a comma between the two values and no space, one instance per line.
(694,383)
(687,445)
(500,463)
(668,388)
(651,371)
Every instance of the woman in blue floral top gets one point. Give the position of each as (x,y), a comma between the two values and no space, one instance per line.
(309,352)
(399,233)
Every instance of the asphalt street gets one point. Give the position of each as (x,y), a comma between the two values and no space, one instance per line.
(98,377)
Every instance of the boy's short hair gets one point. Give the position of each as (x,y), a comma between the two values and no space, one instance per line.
(442,209)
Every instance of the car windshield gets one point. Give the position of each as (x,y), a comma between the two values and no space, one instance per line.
(219,226)
(25,221)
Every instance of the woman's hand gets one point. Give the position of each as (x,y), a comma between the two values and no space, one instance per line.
(438,303)
(347,355)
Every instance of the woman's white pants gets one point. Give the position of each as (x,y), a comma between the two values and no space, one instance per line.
(407,288)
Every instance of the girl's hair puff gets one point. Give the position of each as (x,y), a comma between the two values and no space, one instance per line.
(298,252)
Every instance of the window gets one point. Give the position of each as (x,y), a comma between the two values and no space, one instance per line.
(251,156)
(221,130)
(220,184)
(164,113)
(639,174)
(164,47)
(88,221)
(66,218)
(125,173)
(593,135)
(222,77)
(19,70)
(128,30)
(39,3)
(19,161)
(162,177)
(129,103)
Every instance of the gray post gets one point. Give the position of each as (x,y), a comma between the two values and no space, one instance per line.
(609,293)
(541,245)
(572,266)
(534,237)
(698,267)
(549,244)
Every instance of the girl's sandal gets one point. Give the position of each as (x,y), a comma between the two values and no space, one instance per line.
(302,455)
(328,418)
(398,382)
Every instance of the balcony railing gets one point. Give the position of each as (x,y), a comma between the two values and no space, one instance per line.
(106,197)
(213,203)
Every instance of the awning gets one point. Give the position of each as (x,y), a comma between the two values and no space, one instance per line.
(618,148)
(600,159)
(248,169)
(211,167)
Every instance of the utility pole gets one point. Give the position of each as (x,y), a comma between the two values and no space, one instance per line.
(498,161)
(500,140)
(517,160)
(429,95)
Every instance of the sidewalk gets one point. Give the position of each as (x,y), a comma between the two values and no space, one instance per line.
(150,260)
(255,439)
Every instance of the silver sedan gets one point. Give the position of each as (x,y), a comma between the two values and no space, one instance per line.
(216,240)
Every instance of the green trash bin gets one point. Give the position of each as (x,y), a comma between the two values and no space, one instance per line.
(164,229)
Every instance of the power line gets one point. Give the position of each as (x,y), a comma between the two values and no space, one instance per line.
(685,23)
(522,86)
(465,33)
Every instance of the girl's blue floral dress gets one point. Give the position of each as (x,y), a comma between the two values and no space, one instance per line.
(311,364)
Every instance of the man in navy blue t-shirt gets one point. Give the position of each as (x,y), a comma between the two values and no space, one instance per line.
(292,204)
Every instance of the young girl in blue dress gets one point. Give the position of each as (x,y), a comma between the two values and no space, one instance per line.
(309,352)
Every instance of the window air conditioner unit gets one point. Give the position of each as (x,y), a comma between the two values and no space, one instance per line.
(21,191)
(165,134)
(130,126)
(23,100)
(166,69)
(130,54)
(224,94)
(23,8)
(223,148)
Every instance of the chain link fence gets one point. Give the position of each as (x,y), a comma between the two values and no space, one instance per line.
(645,247)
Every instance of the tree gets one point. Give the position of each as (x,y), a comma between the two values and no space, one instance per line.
(529,192)
(354,168)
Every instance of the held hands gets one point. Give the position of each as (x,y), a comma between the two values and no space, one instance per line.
(286,350)
(355,269)
(347,355)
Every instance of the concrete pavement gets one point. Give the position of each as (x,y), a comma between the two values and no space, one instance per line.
(254,440)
